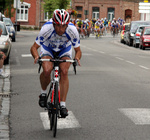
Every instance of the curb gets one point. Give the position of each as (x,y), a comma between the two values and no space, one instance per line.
(5,105)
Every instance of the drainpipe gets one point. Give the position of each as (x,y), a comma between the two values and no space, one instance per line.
(40,14)
(16,15)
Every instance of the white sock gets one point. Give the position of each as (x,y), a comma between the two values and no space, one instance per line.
(63,103)
(43,91)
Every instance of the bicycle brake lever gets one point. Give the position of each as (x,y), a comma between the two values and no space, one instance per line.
(39,67)
(40,64)
(74,65)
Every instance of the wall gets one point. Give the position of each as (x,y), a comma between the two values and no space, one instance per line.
(119,5)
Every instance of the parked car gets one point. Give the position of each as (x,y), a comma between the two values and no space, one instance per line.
(145,38)
(125,27)
(10,28)
(5,42)
(131,31)
(136,39)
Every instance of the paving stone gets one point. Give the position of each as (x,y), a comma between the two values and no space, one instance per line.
(4,105)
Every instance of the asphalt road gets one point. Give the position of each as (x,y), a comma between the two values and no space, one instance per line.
(108,99)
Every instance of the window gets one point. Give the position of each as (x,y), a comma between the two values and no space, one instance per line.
(79,8)
(110,13)
(46,16)
(22,12)
(95,12)
(79,16)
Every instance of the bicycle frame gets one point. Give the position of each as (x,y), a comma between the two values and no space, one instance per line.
(55,78)
(53,98)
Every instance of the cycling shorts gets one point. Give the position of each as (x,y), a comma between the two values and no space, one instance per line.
(47,51)
(114,26)
(101,27)
(96,27)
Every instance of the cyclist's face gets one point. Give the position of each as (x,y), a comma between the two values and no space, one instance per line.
(60,29)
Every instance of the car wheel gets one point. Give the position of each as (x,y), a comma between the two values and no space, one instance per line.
(13,39)
(143,47)
(122,41)
(137,45)
(130,43)
(133,43)
(6,61)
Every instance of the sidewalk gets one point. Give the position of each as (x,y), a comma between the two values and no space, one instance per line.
(4,105)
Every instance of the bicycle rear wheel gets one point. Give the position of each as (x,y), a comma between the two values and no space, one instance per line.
(55,114)
(114,32)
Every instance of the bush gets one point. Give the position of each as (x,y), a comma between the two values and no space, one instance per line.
(29,28)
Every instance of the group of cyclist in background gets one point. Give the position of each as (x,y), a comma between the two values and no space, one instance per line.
(98,27)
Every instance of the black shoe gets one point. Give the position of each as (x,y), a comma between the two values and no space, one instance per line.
(63,111)
(42,100)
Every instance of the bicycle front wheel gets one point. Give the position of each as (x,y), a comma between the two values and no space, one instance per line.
(50,107)
(56,102)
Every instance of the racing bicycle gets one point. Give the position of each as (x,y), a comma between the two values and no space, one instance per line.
(53,95)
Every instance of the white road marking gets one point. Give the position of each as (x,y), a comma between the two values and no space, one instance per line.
(26,55)
(130,62)
(101,52)
(140,116)
(94,50)
(69,122)
(119,58)
(143,67)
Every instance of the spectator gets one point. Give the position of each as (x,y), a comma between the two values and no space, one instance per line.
(2,58)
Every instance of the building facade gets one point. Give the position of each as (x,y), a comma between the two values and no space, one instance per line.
(31,12)
(128,10)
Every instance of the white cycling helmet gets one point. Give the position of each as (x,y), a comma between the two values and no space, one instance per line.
(61,16)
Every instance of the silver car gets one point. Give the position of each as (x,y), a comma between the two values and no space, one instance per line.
(10,28)
(5,42)
(136,39)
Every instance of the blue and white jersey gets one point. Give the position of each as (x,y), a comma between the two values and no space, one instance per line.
(48,39)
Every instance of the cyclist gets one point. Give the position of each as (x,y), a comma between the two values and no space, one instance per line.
(101,26)
(88,27)
(114,26)
(120,22)
(93,25)
(85,25)
(56,37)
(79,26)
(106,24)
(97,27)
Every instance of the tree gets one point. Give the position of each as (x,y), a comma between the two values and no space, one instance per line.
(50,6)
(63,4)
(6,5)
(2,6)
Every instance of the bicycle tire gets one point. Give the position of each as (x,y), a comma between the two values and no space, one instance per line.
(51,119)
(114,33)
(55,114)
(50,111)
